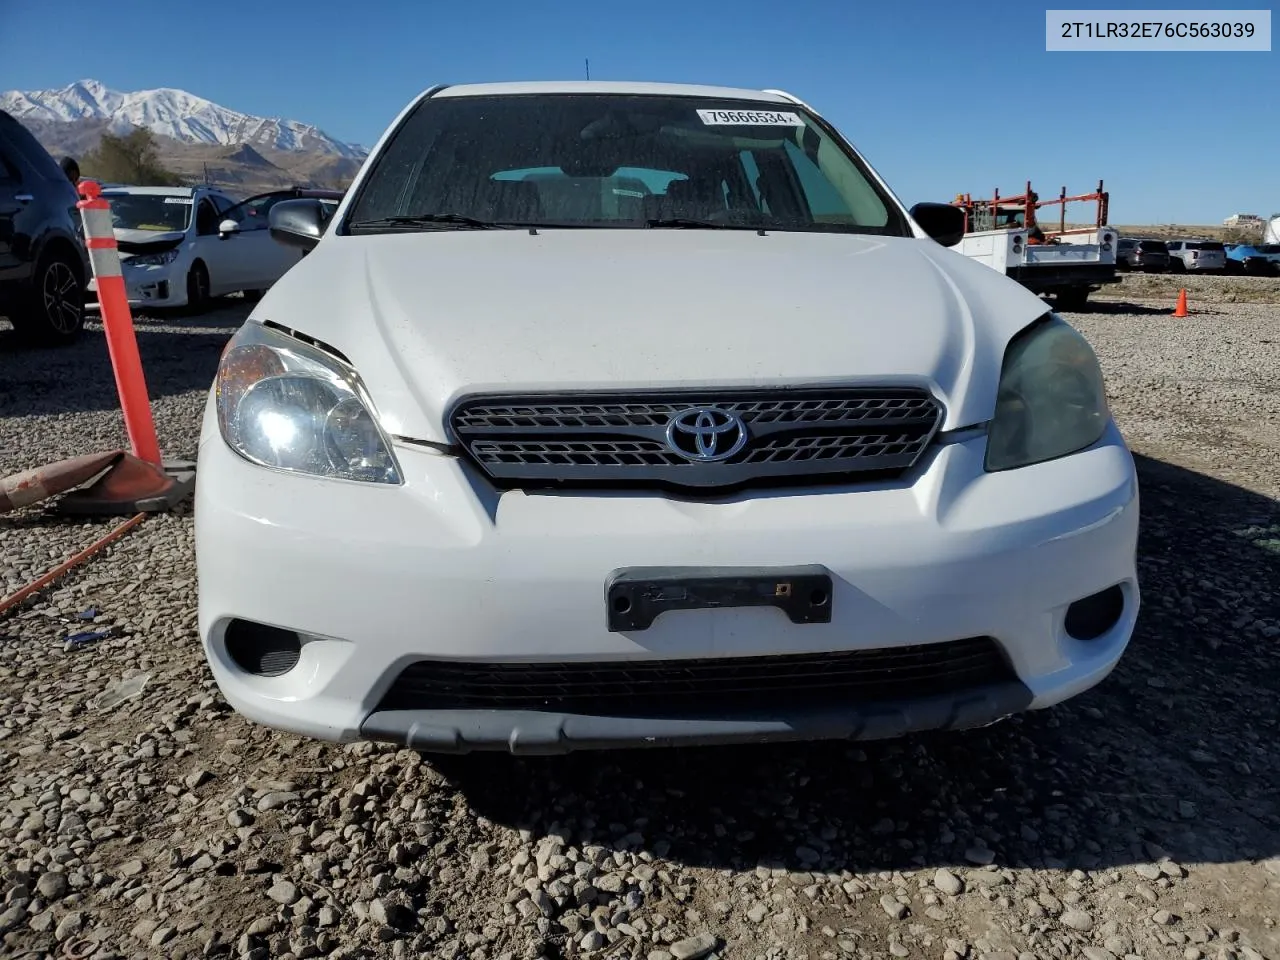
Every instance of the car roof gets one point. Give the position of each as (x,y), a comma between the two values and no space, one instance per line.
(614,87)
(198,190)
(160,191)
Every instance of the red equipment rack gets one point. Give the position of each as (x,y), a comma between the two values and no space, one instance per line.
(980,212)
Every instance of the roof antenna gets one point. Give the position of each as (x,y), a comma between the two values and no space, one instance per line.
(588,63)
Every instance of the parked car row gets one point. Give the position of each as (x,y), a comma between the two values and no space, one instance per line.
(1197,256)
(179,246)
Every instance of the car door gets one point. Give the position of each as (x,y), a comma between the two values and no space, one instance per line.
(221,262)
(24,208)
(264,260)
(10,209)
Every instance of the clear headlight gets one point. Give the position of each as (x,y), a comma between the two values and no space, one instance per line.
(153,259)
(1051,402)
(283,403)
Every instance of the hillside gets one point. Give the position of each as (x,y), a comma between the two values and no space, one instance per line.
(240,168)
(1183,231)
(1177,231)
(196,138)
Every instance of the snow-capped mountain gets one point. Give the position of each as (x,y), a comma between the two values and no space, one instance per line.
(172,113)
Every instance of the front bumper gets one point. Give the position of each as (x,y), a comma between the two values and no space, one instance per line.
(375,578)
(150,286)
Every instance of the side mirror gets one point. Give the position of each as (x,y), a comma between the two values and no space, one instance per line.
(297,223)
(227,227)
(944,222)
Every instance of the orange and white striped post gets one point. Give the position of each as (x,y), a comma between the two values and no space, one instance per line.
(117,320)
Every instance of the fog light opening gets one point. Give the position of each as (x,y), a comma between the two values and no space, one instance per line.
(1090,618)
(262,650)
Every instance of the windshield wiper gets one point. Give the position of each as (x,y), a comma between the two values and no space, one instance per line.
(688,223)
(426,219)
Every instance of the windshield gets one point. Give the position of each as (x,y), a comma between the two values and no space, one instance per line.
(149,211)
(619,161)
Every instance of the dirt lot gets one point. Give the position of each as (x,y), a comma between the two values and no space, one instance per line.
(1139,820)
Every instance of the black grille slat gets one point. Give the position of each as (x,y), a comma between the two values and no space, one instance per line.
(604,452)
(714,685)
(793,434)
(487,415)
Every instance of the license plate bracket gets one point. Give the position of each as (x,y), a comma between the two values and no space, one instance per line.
(636,596)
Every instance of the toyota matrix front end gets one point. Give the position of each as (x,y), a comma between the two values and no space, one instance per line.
(606,415)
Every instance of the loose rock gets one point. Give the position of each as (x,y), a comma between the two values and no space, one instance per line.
(692,948)
(1077,920)
(282,891)
(948,882)
(895,909)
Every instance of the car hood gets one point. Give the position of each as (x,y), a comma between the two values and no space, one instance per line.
(426,317)
(146,241)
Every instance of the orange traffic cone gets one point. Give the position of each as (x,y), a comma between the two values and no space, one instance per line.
(1181,309)
(32,486)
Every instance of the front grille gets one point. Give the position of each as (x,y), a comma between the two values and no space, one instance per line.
(787,434)
(706,687)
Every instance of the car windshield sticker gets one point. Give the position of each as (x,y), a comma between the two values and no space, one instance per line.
(749,118)
(186,200)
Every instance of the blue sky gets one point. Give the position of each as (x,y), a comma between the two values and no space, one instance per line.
(942,97)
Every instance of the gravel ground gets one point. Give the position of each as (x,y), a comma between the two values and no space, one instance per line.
(1215,288)
(139,817)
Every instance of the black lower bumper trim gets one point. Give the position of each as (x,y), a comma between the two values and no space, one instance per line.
(544,733)
(703,686)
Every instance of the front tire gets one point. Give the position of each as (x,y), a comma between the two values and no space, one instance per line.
(52,313)
(198,288)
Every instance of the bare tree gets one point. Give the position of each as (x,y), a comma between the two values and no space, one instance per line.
(131,158)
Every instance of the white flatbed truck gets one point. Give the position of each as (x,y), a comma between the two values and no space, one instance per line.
(1068,264)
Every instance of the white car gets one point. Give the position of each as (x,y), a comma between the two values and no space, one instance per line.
(613,415)
(181,246)
(1197,256)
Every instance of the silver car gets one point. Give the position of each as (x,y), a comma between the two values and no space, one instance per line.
(1199,256)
